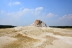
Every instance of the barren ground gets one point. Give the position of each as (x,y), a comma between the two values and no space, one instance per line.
(35,37)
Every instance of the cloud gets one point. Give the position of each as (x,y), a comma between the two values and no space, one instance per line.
(13,3)
(13,18)
(35,12)
(38,10)
(21,8)
(50,15)
(25,11)
(64,20)
(46,16)
(66,17)
(70,16)
(17,3)
(2,12)
(19,13)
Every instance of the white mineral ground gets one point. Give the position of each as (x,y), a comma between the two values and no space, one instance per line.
(35,37)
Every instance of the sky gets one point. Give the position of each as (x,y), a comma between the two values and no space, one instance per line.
(25,12)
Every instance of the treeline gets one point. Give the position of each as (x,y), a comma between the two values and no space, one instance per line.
(6,26)
(10,26)
(61,26)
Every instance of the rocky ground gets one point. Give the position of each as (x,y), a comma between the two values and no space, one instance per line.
(35,37)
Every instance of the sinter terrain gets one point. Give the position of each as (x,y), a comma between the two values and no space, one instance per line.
(35,37)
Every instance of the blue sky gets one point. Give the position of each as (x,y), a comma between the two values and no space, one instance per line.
(25,12)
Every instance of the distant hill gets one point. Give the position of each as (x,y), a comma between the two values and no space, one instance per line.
(6,26)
